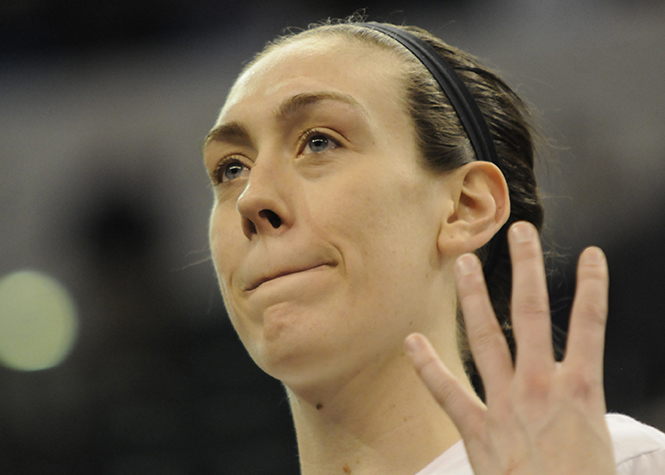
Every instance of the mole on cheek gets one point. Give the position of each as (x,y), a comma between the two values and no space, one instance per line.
(319,406)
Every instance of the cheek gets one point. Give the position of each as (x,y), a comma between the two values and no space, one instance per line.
(224,242)
(226,238)
(386,231)
(379,218)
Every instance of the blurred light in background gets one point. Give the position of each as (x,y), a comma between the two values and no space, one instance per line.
(38,322)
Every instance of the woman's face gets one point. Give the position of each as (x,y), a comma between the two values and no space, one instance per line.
(324,226)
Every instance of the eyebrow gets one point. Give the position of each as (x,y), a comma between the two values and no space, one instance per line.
(235,132)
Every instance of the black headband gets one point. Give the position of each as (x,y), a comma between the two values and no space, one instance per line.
(458,94)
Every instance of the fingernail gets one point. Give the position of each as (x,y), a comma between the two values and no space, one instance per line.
(593,255)
(413,344)
(467,264)
(522,232)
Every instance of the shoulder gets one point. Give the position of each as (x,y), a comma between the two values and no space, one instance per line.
(638,448)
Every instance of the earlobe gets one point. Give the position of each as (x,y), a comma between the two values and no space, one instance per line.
(480,206)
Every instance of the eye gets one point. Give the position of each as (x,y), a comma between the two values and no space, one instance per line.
(317,142)
(229,170)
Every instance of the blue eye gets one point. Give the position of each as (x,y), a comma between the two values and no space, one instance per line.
(318,143)
(228,171)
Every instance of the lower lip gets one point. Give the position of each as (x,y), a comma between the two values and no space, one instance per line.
(300,280)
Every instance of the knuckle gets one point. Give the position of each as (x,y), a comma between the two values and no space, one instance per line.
(485,339)
(526,251)
(532,304)
(594,272)
(594,312)
(470,285)
(535,386)
(425,364)
(580,385)
(443,389)
(444,392)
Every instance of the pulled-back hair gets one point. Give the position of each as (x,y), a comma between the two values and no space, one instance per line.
(444,144)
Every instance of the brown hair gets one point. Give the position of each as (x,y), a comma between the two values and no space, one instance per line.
(445,145)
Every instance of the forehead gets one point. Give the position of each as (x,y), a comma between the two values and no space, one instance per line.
(368,73)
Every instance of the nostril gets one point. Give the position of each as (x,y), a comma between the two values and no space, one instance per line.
(271,216)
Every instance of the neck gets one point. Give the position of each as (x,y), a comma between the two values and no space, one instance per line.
(382,421)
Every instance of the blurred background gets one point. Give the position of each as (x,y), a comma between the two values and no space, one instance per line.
(116,356)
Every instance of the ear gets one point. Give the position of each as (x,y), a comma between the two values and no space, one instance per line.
(480,205)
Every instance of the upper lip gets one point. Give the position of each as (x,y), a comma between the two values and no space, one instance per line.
(253,284)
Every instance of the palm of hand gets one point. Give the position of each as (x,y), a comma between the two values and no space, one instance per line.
(541,417)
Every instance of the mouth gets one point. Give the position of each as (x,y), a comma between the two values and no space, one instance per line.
(256,284)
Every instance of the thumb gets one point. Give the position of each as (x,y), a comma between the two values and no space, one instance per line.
(463,408)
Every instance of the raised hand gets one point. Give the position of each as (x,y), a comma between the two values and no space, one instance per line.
(541,417)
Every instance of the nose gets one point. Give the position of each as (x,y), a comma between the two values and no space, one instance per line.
(264,204)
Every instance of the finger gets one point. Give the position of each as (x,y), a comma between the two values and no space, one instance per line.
(530,307)
(586,334)
(488,344)
(463,408)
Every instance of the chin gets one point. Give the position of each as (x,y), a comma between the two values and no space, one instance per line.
(295,362)
(315,370)
(313,346)
(305,366)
